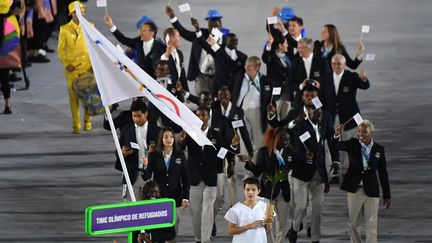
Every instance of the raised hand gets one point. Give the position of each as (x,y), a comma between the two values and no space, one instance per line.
(170,12)
(108,21)
(235,140)
(195,24)
(362,75)
(271,110)
(360,50)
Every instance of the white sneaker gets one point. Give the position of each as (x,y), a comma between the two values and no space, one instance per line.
(124,191)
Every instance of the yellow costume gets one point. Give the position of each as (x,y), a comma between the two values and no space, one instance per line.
(72,50)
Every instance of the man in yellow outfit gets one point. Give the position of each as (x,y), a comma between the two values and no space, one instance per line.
(73,54)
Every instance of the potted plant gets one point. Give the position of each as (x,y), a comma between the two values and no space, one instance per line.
(277,177)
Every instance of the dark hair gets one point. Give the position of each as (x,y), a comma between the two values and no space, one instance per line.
(251,181)
(298,20)
(147,187)
(205,108)
(138,105)
(162,62)
(153,27)
(159,146)
(278,39)
(334,38)
(205,92)
(224,88)
(169,31)
(309,87)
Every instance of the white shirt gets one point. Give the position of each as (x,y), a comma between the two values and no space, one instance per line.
(206,64)
(232,53)
(205,131)
(176,58)
(336,79)
(315,127)
(249,94)
(291,124)
(308,63)
(298,38)
(147,46)
(141,137)
(228,109)
(281,56)
(241,215)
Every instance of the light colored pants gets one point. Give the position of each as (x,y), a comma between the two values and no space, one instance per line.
(203,83)
(252,119)
(74,102)
(220,201)
(346,135)
(176,227)
(283,107)
(359,203)
(280,224)
(202,198)
(314,187)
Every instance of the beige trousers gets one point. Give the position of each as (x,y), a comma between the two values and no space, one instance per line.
(360,204)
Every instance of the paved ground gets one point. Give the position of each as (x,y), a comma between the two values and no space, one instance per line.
(49,176)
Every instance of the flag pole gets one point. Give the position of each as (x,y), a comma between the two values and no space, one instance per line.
(119,153)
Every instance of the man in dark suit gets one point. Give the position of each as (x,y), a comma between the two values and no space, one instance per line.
(148,48)
(226,112)
(135,139)
(196,71)
(203,168)
(174,57)
(309,91)
(306,66)
(366,158)
(227,59)
(309,168)
(338,95)
(291,28)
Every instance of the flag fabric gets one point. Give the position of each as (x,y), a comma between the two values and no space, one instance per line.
(119,78)
(10,50)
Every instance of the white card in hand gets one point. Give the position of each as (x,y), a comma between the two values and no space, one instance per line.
(217,33)
(358,119)
(237,124)
(305,136)
(184,7)
(222,153)
(317,103)
(272,20)
(134,145)
(370,57)
(365,28)
(276,91)
(101,3)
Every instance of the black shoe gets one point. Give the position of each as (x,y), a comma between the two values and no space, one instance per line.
(38,59)
(14,78)
(315,241)
(7,111)
(214,230)
(292,236)
(47,49)
(287,234)
(334,180)
(309,232)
